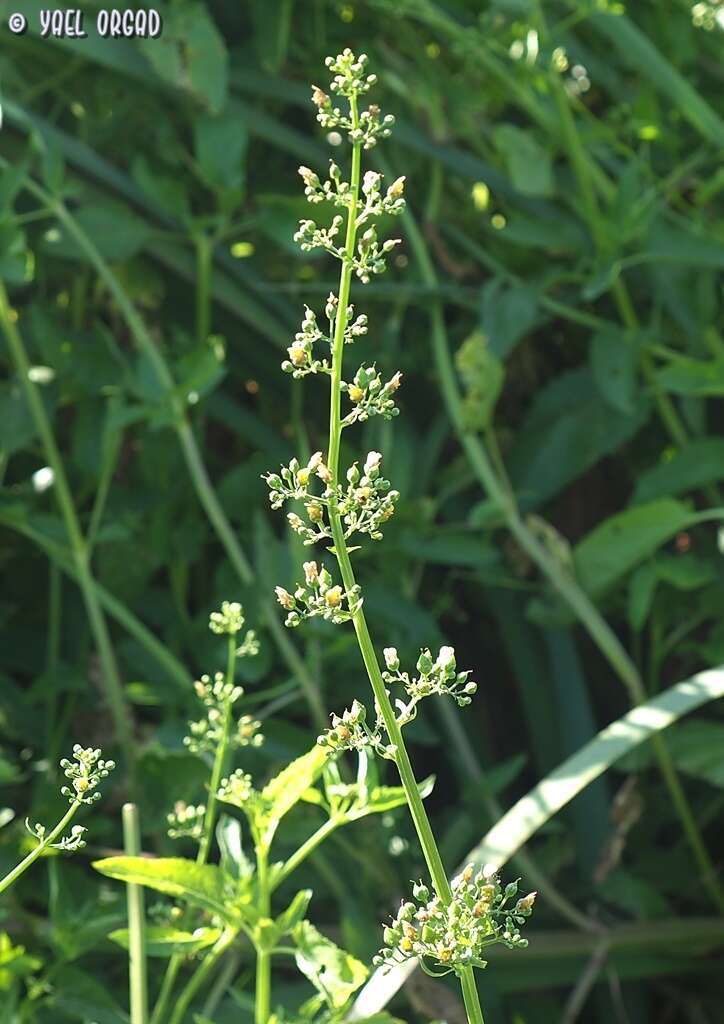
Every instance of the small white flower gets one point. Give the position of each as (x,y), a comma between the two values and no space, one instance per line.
(372,462)
(43,479)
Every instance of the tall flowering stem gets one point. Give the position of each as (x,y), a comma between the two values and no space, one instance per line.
(359,501)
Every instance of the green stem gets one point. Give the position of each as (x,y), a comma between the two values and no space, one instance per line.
(110,675)
(137,969)
(262,1001)
(307,847)
(203,287)
(22,867)
(201,974)
(217,771)
(401,757)
(174,965)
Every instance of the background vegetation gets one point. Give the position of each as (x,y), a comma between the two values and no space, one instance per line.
(558,522)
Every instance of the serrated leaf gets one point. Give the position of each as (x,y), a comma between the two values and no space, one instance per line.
(387,798)
(162,941)
(288,787)
(203,885)
(334,973)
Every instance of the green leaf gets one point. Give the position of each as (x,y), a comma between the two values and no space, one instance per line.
(387,798)
(482,374)
(507,313)
(220,144)
(294,914)
(333,972)
(568,429)
(190,54)
(698,464)
(162,941)
(16,424)
(527,162)
(614,359)
(685,376)
(116,232)
(610,550)
(288,787)
(203,885)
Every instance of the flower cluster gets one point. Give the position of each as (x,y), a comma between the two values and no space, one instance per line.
(369,396)
(319,597)
(370,258)
(368,501)
(334,190)
(454,935)
(292,481)
(85,772)
(376,202)
(351,731)
(351,81)
(70,843)
(439,677)
(302,360)
(229,620)
(186,821)
(219,696)
(308,236)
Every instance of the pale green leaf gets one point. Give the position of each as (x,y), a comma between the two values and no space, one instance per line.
(162,941)
(333,972)
(289,786)
(204,885)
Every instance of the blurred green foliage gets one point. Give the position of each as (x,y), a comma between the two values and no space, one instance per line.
(563,163)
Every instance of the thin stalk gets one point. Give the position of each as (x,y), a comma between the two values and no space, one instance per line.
(110,675)
(262,999)
(22,867)
(217,771)
(201,974)
(160,1010)
(308,846)
(364,640)
(566,585)
(137,968)
(203,287)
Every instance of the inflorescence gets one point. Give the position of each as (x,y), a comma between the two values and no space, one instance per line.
(455,935)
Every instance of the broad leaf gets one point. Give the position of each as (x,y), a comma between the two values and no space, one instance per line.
(698,464)
(528,164)
(614,358)
(294,914)
(333,972)
(162,941)
(204,885)
(610,550)
(482,374)
(387,798)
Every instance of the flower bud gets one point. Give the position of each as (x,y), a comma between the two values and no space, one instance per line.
(311,572)
(526,903)
(372,463)
(397,188)
(421,892)
(315,512)
(333,597)
(303,476)
(356,394)
(424,663)
(391,659)
(284,598)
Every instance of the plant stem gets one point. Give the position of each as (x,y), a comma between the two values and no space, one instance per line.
(110,675)
(137,968)
(201,974)
(219,763)
(203,287)
(307,847)
(174,965)
(22,867)
(402,759)
(262,1000)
